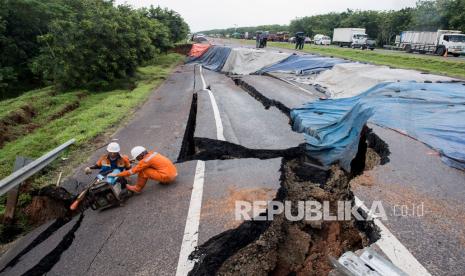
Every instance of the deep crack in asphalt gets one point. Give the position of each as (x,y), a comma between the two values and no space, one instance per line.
(47,262)
(282,247)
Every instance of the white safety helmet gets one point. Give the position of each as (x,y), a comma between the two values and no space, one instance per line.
(136,151)
(113,147)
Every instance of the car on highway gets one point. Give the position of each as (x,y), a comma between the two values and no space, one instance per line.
(321,39)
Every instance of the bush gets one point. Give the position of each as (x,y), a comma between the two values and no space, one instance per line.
(97,45)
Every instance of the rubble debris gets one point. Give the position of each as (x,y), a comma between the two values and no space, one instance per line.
(283,247)
(365,262)
(48,203)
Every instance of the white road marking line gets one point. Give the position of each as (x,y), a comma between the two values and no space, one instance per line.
(191,230)
(388,243)
(216,111)
(394,249)
(204,84)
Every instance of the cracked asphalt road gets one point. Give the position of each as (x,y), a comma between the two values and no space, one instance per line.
(144,237)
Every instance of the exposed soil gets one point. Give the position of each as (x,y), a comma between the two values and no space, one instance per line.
(22,116)
(224,207)
(47,204)
(182,49)
(284,247)
(365,179)
(281,246)
(67,108)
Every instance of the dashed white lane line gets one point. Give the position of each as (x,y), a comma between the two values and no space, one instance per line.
(191,230)
(394,249)
(216,111)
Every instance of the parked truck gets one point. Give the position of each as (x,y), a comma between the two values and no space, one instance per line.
(440,42)
(350,37)
(282,36)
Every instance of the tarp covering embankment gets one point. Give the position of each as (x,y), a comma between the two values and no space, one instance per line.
(432,113)
(350,79)
(214,58)
(302,65)
(244,61)
(198,49)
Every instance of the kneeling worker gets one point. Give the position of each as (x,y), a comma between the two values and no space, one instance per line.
(151,165)
(111,161)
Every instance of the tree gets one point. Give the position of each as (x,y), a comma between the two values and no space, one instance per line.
(365,19)
(7,74)
(426,16)
(21,22)
(392,23)
(177,26)
(98,44)
(452,14)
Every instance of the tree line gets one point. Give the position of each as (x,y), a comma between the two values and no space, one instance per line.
(427,15)
(79,43)
(251,30)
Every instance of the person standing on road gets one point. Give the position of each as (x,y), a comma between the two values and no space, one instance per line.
(299,40)
(264,39)
(152,165)
(258,37)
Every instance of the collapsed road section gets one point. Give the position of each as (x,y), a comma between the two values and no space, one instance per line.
(321,121)
(233,142)
(281,246)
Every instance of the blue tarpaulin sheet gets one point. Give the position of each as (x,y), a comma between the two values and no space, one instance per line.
(433,113)
(302,64)
(214,58)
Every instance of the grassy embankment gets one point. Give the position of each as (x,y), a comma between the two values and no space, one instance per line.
(448,66)
(42,119)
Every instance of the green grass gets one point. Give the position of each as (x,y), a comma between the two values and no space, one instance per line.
(97,113)
(432,64)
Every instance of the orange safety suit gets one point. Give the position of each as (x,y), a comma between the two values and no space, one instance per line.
(154,166)
(106,164)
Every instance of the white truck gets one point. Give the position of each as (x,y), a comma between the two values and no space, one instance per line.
(433,42)
(320,39)
(350,37)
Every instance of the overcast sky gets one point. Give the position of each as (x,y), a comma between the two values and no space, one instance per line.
(217,14)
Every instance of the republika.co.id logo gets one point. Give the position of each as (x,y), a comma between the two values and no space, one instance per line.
(317,211)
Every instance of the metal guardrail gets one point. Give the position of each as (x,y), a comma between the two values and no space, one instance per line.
(27,171)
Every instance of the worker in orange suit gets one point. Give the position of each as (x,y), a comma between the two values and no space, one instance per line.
(112,161)
(152,165)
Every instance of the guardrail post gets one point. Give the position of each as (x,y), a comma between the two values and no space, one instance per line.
(13,194)
(17,177)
